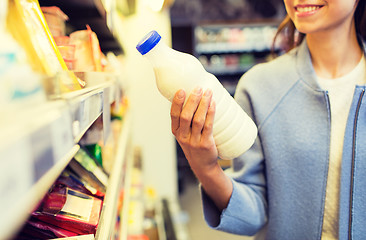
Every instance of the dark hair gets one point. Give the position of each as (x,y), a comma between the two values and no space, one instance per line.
(291,38)
(360,19)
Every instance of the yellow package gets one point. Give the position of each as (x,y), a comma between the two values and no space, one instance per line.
(28,26)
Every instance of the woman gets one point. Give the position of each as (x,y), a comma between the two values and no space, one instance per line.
(304,177)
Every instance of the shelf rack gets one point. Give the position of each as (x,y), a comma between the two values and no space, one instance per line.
(93,13)
(117,179)
(230,49)
(36,145)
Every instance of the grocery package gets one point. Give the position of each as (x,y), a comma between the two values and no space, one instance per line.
(70,210)
(234,131)
(20,86)
(86,168)
(79,237)
(55,19)
(72,181)
(36,229)
(87,176)
(87,50)
(92,141)
(95,150)
(28,26)
(91,164)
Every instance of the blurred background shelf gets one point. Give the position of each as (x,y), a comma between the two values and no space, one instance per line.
(36,145)
(34,149)
(118,180)
(93,13)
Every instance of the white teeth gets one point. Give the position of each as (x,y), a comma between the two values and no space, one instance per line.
(307,9)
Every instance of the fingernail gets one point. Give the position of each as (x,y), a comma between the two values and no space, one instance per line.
(197,91)
(180,94)
(208,93)
(212,105)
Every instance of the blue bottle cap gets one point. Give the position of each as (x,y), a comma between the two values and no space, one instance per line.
(148,42)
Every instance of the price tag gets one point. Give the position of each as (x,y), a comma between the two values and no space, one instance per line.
(42,151)
(84,110)
(106,115)
(97,105)
(61,133)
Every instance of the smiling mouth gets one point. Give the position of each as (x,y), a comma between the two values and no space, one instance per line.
(304,9)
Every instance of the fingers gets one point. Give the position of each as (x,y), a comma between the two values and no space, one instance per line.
(176,109)
(194,121)
(208,126)
(199,120)
(188,112)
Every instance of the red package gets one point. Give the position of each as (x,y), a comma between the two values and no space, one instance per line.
(59,232)
(70,210)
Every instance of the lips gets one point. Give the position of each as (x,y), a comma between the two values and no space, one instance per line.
(305,10)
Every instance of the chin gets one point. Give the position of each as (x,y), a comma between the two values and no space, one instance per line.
(306,28)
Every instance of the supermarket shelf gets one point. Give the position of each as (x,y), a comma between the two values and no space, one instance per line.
(85,109)
(123,224)
(123,161)
(37,143)
(93,13)
(227,70)
(88,104)
(34,149)
(235,38)
(211,48)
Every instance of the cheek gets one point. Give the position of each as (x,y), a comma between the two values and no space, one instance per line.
(289,8)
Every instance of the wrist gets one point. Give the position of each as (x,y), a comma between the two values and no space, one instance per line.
(216,184)
(210,171)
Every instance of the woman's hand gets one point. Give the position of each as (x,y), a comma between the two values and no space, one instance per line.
(192,126)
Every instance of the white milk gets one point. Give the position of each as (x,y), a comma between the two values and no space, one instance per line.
(234,131)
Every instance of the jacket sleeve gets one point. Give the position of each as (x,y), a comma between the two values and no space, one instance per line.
(246,212)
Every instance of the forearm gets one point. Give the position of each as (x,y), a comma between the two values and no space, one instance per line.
(216,184)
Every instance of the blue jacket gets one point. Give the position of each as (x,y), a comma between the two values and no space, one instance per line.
(279,184)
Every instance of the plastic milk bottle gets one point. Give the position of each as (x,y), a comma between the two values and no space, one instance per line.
(233,130)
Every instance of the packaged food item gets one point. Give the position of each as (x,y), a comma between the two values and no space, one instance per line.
(36,229)
(79,237)
(87,50)
(67,51)
(30,232)
(88,169)
(94,191)
(28,26)
(56,20)
(95,150)
(87,176)
(71,210)
(233,130)
(62,40)
(91,165)
(20,86)
(71,180)
(68,54)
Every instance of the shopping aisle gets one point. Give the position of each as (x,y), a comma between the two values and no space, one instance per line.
(190,202)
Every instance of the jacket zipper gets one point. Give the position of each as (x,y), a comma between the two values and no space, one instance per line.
(326,177)
(353,166)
